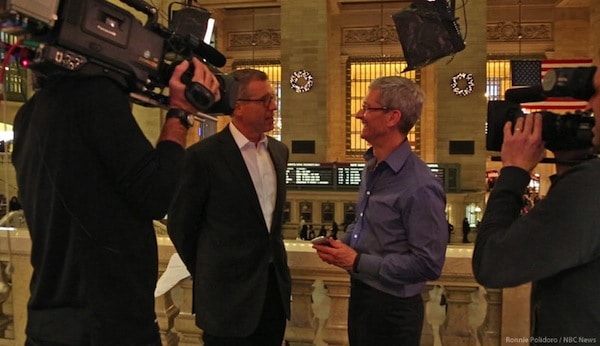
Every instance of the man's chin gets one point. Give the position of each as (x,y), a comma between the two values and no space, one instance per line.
(269,125)
(366,139)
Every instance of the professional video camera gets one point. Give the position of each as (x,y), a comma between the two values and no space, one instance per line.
(568,131)
(95,37)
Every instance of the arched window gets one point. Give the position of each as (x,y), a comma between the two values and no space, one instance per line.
(273,70)
(360,71)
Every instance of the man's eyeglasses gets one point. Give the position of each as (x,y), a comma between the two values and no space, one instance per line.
(265,100)
(366,108)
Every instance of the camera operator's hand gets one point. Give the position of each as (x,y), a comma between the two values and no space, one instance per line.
(174,128)
(524,147)
(202,75)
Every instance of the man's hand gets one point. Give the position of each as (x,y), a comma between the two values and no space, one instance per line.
(337,253)
(172,129)
(201,75)
(524,147)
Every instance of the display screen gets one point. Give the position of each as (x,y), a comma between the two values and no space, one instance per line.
(309,174)
(345,175)
(439,172)
(349,174)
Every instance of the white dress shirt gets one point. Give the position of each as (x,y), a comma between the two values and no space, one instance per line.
(261,168)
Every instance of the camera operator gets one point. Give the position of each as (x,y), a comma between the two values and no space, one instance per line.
(557,244)
(90,184)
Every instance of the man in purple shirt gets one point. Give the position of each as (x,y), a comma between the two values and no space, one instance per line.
(398,241)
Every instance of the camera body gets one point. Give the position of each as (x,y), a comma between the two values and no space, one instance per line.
(95,37)
(561,132)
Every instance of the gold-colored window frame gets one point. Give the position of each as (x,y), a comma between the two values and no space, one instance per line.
(273,70)
(360,71)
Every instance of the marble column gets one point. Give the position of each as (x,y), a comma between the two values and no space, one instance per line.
(301,328)
(304,46)
(462,118)
(456,329)
(185,323)
(336,328)
(166,312)
(489,332)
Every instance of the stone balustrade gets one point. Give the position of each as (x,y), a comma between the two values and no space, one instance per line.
(470,315)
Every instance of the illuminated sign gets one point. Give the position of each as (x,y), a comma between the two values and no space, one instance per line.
(349,174)
(346,175)
(309,174)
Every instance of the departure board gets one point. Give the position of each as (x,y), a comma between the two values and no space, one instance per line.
(309,174)
(349,174)
(439,172)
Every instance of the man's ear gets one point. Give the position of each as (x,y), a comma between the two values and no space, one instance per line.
(394,118)
(236,109)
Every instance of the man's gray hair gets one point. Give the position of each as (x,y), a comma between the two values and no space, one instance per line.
(244,77)
(402,94)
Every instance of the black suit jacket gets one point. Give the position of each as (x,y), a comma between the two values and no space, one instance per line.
(218,229)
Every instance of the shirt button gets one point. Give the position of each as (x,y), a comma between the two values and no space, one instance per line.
(355,236)
(361,214)
(368,193)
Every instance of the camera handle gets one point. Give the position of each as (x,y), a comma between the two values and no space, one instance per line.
(195,93)
(199,96)
(144,7)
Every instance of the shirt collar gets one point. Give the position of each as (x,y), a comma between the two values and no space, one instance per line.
(241,140)
(396,158)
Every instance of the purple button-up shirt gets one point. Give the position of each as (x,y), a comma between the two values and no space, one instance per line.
(400,228)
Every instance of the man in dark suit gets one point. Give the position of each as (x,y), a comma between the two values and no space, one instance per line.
(226,220)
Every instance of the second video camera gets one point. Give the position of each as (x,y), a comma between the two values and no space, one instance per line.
(561,132)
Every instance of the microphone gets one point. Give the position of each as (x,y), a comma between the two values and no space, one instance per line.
(525,94)
(210,54)
(205,51)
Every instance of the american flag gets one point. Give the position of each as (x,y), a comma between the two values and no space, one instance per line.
(559,105)
(525,72)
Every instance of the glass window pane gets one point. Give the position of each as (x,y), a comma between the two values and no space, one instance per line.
(360,72)
(273,70)
(327,212)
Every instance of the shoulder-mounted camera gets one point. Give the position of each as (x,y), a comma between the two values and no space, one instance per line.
(95,37)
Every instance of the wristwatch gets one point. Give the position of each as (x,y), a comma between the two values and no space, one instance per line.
(186,119)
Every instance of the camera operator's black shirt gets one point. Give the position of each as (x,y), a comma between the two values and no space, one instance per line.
(556,246)
(90,184)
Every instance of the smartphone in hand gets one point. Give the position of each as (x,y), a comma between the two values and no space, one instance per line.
(320,240)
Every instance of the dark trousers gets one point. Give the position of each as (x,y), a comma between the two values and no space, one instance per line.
(33,342)
(271,327)
(377,318)
(466,237)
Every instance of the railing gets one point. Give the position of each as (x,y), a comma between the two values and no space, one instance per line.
(471,315)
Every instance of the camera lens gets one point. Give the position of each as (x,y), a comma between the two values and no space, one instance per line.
(575,82)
